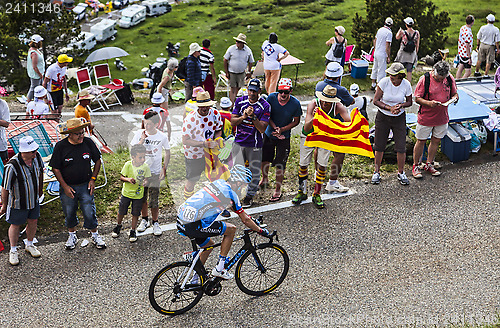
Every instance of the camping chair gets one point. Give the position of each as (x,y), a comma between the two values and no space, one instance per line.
(368,56)
(348,55)
(224,80)
(83,77)
(102,71)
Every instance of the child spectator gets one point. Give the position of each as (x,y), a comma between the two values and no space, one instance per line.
(157,100)
(360,102)
(39,107)
(84,100)
(134,174)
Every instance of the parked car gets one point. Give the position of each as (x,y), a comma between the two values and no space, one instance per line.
(119,4)
(132,16)
(104,30)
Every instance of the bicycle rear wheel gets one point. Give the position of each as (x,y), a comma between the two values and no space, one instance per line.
(261,272)
(165,292)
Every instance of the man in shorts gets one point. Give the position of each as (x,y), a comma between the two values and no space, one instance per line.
(55,81)
(488,39)
(238,61)
(465,41)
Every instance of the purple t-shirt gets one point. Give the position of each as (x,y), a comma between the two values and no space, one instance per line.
(247,134)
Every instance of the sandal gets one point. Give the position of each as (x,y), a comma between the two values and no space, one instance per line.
(275,198)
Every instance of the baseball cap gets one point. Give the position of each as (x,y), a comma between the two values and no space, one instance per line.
(36,38)
(285,84)
(396,68)
(64,59)
(334,69)
(490,18)
(408,21)
(354,89)
(254,85)
(27,144)
(388,21)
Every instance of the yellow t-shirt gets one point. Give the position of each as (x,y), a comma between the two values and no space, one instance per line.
(139,173)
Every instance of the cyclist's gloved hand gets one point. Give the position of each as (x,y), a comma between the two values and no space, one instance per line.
(264,232)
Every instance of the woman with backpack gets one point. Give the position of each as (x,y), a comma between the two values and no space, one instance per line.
(410,42)
(337,49)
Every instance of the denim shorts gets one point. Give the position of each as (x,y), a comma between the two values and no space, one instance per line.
(19,217)
(83,198)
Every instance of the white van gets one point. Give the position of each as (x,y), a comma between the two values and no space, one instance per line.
(104,30)
(156,7)
(89,42)
(132,15)
(80,11)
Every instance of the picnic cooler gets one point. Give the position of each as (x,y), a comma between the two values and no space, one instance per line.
(456,143)
(359,69)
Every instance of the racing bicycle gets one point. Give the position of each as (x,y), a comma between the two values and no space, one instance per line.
(260,268)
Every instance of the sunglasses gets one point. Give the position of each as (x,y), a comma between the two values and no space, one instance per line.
(284,91)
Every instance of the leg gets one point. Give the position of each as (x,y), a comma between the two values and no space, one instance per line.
(280,174)
(69,207)
(135,219)
(408,76)
(274,77)
(268,154)
(254,156)
(401,158)
(460,69)
(418,150)
(265,173)
(119,218)
(232,93)
(204,256)
(267,80)
(378,160)
(433,147)
(31,229)
(338,160)
(14,234)
(227,241)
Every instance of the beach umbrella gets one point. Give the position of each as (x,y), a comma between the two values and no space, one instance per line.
(105,54)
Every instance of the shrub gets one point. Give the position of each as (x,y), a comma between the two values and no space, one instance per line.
(172,23)
(316,8)
(143,31)
(225,25)
(335,15)
(296,25)
(305,14)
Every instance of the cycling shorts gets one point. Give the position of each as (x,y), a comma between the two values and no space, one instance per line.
(201,235)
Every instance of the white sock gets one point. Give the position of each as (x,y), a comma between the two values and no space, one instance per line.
(72,233)
(29,243)
(95,234)
(13,249)
(220,265)
(374,84)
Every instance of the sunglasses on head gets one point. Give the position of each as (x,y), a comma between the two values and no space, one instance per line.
(284,91)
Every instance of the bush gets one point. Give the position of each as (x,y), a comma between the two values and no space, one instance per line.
(172,23)
(316,8)
(143,31)
(225,25)
(305,14)
(335,15)
(296,25)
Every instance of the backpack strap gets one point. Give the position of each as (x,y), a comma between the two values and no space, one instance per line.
(364,103)
(427,83)
(450,83)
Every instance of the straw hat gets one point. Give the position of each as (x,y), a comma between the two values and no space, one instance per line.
(241,38)
(203,99)
(73,125)
(329,94)
(84,94)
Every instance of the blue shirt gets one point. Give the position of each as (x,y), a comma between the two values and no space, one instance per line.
(282,115)
(342,92)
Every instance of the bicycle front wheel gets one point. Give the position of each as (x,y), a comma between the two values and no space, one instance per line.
(165,292)
(260,272)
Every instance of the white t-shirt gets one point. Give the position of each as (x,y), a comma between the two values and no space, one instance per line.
(56,75)
(37,107)
(271,54)
(154,144)
(394,95)
(4,115)
(383,36)
(488,34)
(200,128)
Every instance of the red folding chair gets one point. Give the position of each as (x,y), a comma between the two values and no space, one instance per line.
(83,77)
(368,56)
(102,71)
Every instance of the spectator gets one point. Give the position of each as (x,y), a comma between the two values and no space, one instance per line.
(333,74)
(199,130)
(238,61)
(164,123)
(71,164)
(193,69)
(191,103)
(135,174)
(408,49)
(4,123)
(56,75)
(337,44)
(207,61)
(433,115)
(488,39)
(166,80)
(285,115)
(465,42)
(22,186)
(250,116)
(35,64)
(271,51)
(226,104)
(382,52)
(39,107)
(84,100)
(360,102)
(392,96)
(154,141)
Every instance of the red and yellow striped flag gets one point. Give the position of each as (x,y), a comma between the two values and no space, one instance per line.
(214,169)
(342,137)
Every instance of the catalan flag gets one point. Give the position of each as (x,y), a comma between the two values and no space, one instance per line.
(214,169)
(342,137)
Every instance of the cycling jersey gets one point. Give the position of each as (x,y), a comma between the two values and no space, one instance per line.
(208,202)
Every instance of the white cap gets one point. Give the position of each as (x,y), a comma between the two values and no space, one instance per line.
(490,18)
(27,144)
(408,21)
(334,70)
(157,98)
(40,91)
(354,89)
(36,38)
(340,30)
(388,21)
(225,102)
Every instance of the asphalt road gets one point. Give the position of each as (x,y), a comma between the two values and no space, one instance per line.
(389,255)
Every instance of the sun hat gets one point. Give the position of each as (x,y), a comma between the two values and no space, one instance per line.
(340,30)
(64,59)
(241,38)
(354,89)
(490,18)
(27,144)
(36,38)
(193,47)
(334,69)
(40,91)
(254,85)
(117,82)
(196,90)
(329,94)
(84,94)
(157,98)
(388,21)
(408,21)
(72,125)
(285,84)
(203,99)
(395,69)
(225,102)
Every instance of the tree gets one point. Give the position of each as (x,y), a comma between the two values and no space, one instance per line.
(20,19)
(428,22)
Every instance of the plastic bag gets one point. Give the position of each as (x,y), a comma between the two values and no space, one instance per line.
(492,121)
(475,143)
(473,57)
(480,131)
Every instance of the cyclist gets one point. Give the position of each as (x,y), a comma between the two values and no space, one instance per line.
(196,217)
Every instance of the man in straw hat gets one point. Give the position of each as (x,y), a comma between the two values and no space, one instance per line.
(71,164)
(199,130)
(22,186)
(84,100)
(328,101)
(238,61)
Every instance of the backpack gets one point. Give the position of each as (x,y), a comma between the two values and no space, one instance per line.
(410,44)
(182,69)
(338,51)
(427,83)
(125,94)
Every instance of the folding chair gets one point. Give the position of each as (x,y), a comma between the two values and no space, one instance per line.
(368,56)
(348,54)
(102,71)
(83,77)
(222,78)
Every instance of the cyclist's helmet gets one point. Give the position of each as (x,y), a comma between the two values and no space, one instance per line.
(240,173)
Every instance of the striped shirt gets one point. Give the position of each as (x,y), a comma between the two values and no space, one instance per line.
(22,182)
(206,58)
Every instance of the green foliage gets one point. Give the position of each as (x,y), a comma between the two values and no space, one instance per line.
(296,25)
(175,23)
(431,25)
(305,14)
(335,15)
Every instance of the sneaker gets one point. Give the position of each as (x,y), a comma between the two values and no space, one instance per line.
(13,258)
(417,174)
(301,196)
(437,165)
(157,229)
(33,251)
(336,187)
(224,274)
(430,168)
(317,201)
(247,202)
(143,225)
(403,179)
(116,231)
(477,74)
(72,240)
(98,241)
(376,178)
(132,237)
(225,213)
(372,87)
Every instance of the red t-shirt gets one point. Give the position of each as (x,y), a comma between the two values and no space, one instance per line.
(440,91)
